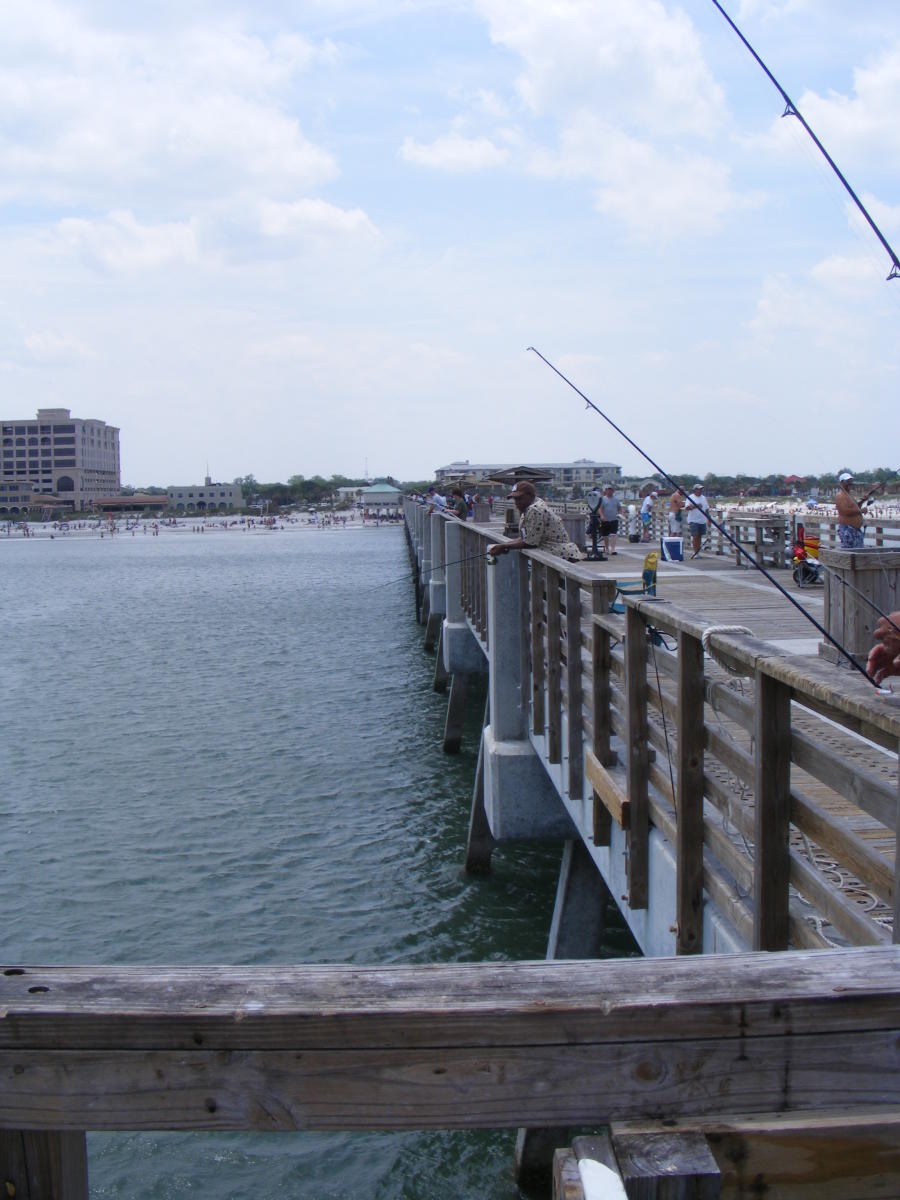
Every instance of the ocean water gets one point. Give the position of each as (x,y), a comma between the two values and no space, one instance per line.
(226,749)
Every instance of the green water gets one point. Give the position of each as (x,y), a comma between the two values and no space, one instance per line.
(228,749)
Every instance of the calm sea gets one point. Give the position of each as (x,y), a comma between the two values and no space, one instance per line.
(225,748)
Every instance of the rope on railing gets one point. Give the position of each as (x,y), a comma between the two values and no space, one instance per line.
(708,649)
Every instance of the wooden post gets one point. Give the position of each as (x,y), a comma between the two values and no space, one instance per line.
(689,797)
(771,858)
(897,865)
(574,689)
(667,1166)
(638,770)
(537,648)
(43,1165)
(600,660)
(566,1178)
(554,673)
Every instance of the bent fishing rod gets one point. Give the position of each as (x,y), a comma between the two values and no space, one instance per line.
(718,525)
(791,110)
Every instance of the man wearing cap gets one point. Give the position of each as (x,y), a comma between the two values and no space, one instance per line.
(539,527)
(698,507)
(610,507)
(850,515)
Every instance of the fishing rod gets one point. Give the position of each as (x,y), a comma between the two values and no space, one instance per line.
(791,110)
(721,528)
(430,571)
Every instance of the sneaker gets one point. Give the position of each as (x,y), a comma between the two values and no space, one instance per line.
(614,552)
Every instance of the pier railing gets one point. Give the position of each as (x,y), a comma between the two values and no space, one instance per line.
(746,759)
(474,1046)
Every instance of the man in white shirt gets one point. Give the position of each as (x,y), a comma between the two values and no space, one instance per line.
(697,517)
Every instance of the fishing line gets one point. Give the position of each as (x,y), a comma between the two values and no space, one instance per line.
(430,571)
(791,110)
(721,528)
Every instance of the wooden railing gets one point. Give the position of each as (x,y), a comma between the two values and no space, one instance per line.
(881,529)
(476,1046)
(739,772)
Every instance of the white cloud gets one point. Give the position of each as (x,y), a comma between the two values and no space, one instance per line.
(653,192)
(120,242)
(638,62)
(182,113)
(455,152)
(57,349)
(303,219)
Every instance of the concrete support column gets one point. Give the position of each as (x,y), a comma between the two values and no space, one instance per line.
(519,799)
(462,652)
(437,602)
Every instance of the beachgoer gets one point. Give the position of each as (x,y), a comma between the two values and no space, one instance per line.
(647,515)
(539,527)
(610,507)
(698,508)
(676,506)
(457,505)
(884,657)
(850,515)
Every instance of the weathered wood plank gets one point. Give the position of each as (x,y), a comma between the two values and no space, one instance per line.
(638,761)
(40,1165)
(831,1156)
(554,691)
(666,1166)
(689,797)
(771,861)
(431,1087)
(575,691)
(537,649)
(600,683)
(607,791)
(566,1179)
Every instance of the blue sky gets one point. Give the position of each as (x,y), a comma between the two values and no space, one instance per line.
(290,238)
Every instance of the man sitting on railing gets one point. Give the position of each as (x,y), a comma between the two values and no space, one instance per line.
(539,527)
(884,657)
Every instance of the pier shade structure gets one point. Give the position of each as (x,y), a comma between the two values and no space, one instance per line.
(734,794)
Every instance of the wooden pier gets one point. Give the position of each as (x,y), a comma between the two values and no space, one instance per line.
(732,792)
(732,789)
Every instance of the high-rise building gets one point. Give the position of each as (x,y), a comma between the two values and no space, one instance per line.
(58,454)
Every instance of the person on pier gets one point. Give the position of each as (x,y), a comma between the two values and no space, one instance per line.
(610,507)
(850,515)
(539,527)
(457,505)
(884,657)
(697,519)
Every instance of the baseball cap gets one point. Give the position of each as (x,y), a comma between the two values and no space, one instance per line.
(844,476)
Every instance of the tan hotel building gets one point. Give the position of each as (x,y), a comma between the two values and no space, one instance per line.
(56,454)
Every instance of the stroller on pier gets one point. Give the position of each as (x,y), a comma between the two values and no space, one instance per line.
(807,569)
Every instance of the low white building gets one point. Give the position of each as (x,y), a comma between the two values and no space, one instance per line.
(205,497)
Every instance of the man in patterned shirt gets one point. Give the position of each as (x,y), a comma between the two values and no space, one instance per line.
(539,527)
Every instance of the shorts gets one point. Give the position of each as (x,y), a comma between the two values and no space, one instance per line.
(697,528)
(675,524)
(645,518)
(851,538)
(608,527)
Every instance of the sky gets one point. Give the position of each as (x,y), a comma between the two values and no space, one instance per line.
(318,236)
